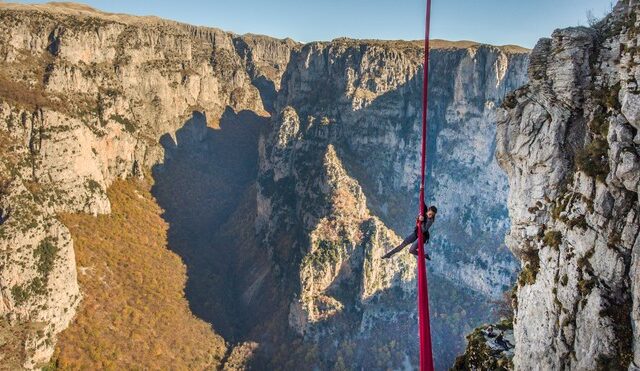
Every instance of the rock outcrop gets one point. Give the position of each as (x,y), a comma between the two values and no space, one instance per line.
(569,144)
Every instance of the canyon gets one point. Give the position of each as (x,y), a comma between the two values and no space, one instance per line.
(283,171)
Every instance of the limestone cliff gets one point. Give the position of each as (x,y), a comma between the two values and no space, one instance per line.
(85,98)
(370,107)
(569,143)
(347,133)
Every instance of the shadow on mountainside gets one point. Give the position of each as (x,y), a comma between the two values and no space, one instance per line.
(205,187)
(361,138)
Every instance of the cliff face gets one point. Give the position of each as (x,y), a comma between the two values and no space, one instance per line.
(327,184)
(569,143)
(85,98)
(338,177)
(365,98)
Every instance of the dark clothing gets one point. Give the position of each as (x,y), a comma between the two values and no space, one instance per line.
(413,239)
(426,224)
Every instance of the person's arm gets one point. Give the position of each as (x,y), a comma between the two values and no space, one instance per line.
(428,223)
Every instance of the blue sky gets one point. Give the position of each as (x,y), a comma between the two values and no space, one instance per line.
(498,22)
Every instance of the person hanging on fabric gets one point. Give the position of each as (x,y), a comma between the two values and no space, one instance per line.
(427,221)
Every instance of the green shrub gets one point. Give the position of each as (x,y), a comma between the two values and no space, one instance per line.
(599,124)
(580,222)
(585,286)
(328,252)
(46,253)
(479,356)
(505,324)
(614,239)
(620,315)
(51,365)
(93,186)
(611,99)
(129,126)
(510,101)
(19,294)
(593,159)
(5,183)
(530,269)
(583,262)
(552,239)
(589,203)
(561,203)
(112,93)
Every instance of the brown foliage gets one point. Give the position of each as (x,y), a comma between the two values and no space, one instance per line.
(134,314)
(21,93)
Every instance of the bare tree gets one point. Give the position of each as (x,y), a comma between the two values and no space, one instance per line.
(592,20)
(503,306)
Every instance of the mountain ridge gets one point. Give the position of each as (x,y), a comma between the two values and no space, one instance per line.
(73,8)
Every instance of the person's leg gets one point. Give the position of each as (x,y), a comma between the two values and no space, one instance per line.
(392,252)
(426,242)
(414,250)
(410,238)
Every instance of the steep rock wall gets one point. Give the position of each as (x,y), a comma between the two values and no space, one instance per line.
(359,102)
(365,97)
(569,143)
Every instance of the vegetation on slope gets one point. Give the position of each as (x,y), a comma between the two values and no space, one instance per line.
(480,355)
(134,314)
(12,340)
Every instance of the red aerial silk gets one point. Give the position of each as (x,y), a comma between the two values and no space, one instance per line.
(426,356)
